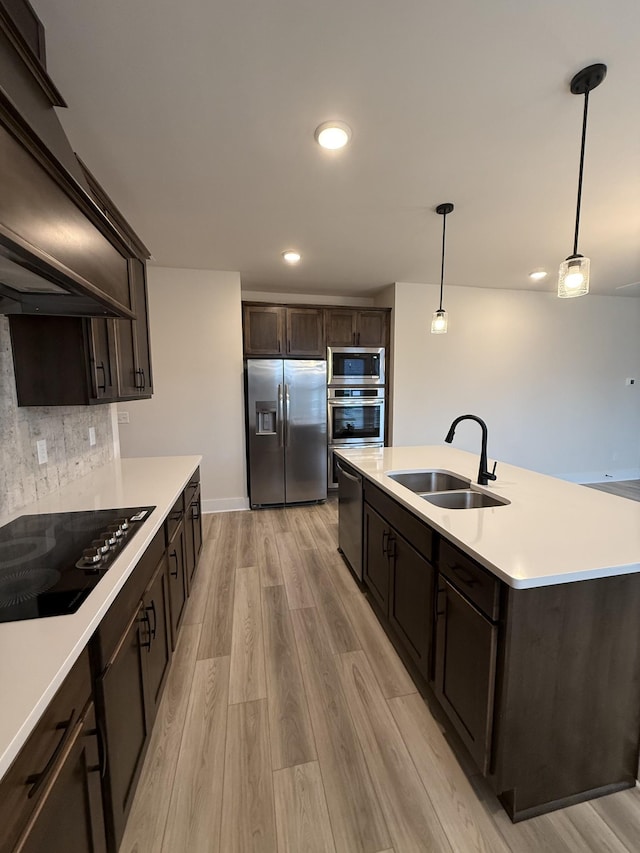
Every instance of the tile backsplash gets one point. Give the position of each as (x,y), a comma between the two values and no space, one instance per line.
(65,429)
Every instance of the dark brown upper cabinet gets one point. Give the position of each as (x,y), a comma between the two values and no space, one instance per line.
(351,327)
(305,332)
(133,348)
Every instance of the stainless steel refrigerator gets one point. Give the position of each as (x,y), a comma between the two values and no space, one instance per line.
(287,430)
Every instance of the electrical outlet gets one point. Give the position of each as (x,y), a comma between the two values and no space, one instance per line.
(92,436)
(41,447)
(123,417)
(629,381)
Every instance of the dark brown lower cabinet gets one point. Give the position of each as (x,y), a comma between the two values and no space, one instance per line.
(376,556)
(411,601)
(177,578)
(193,533)
(68,818)
(465,669)
(128,693)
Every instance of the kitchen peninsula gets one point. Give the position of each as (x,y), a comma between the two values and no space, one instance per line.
(110,658)
(521,617)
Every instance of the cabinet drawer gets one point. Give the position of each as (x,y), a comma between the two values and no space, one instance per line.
(414,531)
(111,628)
(173,520)
(27,777)
(476,583)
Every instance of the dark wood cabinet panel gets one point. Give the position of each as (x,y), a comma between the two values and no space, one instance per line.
(264,329)
(121,706)
(102,359)
(193,531)
(465,669)
(372,328)
(305,332)
(157,643)
(68,817)
(411,602)
(341,325)
(377,535)
(133,349)
(176,557)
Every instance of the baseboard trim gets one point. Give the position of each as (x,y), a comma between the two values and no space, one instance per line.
(224,505)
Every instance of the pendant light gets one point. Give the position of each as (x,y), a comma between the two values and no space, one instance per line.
(440,320)
(573,278)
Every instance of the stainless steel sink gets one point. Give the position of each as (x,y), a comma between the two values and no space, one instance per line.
(429,481)
(467,499)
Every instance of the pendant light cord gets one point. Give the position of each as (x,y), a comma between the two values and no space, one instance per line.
(444,229)
(584,138)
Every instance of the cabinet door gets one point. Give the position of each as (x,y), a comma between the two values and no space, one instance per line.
(411,601)
(120,702)
(264,329)
(372,329)
(68,819)
(157,654)
(465,663)
(196,517)
(176,552)
(102,358)
(144,382)
(305,335)
(376,556)
(126,355)
(341,327)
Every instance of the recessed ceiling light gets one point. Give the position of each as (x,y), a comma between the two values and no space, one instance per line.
(291,257)
(538,275)
(333,134)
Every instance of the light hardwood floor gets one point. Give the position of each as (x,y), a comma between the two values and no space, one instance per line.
(288,722)
(624,488)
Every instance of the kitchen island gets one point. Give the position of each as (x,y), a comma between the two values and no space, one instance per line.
(521,618)
(114,652)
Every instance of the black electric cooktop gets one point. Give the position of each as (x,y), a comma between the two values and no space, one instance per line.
(49,563)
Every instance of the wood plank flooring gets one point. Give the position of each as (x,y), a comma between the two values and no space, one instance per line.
(289,724)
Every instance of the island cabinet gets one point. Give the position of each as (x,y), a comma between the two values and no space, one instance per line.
(50,798)
(284,331)
(467,609)
(355,327)
(131,653)
(399,573)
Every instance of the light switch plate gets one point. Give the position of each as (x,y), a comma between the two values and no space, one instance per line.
(123,417)
(41,447)
(92,436)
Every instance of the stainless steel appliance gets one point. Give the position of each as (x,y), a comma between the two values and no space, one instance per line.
(355,416)
(355,365)
(332,460)
(287,430)
(49,563)
(350,503)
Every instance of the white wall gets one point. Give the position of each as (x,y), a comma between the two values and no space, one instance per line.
(197,405)
(547,375)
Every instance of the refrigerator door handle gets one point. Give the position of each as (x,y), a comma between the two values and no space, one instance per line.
(287,400)
(280,417)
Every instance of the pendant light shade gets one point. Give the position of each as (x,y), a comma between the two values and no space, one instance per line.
(440,319)
(573,277)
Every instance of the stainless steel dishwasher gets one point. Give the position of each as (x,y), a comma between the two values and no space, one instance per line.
(350,517)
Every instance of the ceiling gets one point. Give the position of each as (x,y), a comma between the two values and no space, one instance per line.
(198,118)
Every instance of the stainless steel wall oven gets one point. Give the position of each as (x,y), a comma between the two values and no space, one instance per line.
(355,415)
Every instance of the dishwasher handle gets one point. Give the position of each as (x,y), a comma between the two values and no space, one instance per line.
(347,474)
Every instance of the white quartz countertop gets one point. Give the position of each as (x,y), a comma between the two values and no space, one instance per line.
(551,532)
(37,654)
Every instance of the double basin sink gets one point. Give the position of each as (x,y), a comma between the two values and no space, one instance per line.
(445,489)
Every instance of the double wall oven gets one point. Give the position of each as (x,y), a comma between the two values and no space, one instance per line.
(355,401)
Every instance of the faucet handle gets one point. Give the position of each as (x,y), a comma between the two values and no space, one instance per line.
(492,475)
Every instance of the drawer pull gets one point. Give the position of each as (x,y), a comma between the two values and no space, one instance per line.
(146,644)
(438,611)
(152,608)
(36,780)
(175,557)
(464,575)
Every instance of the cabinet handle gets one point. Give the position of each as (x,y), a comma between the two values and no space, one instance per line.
(152,608)
(195,511)
(391,546)
(144,379)
(101,766)
(358,338)
(146,644)
(174,554)
(279,345)
(438,611)
(288,346)
(385,542)
(101,367)
(36,780)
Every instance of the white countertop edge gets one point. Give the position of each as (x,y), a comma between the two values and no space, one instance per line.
(119,572)
(428,513)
